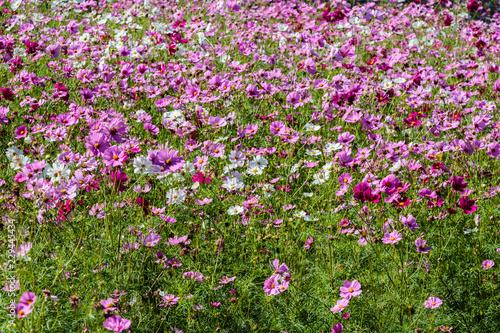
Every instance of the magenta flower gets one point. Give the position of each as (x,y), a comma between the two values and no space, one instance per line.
(467,205)
(200,178)
(116,324)
(433,303)
(487,264)
(193,92)
(392,238)
(20,132)
(473,6)
(97,143)
(118,179)
(168,160)
(337,328)
(363,192)
(458,184)
(340,306)
(350,289)
(420,244)
(215,304)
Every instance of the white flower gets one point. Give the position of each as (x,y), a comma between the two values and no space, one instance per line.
(268,190)
(399,80)
(201,38)
(413,42)
(229,167)
(19,162)
(328,167)
(282,42)
(233,210)
(386,84)
(254,170)
(13,151)
(258,161)
(308,194)
(176,196)
(428,41)
(19,51)
(311,127)
(282,27)
(330,147)
(85,37)
(471,230)
(142,165)
(313,152)
(16,4)
(418,24)
(300,214)
(396,166)
(58,171)
(114,19)
(295,168)
(147,40)
(188,168)
(310,218)
(233,184)
(321,177)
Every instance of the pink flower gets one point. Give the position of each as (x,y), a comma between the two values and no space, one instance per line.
(271,285)
(433,303)
(308,243)
(116,324)
(392,238)
(28,298)
(350,289)
(169,299)
(22,310)
(420,244)
(487,264)
(226,280)
(340,306)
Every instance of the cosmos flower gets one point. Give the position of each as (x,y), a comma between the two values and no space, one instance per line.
(433,303)
(116,324)
(340,306)
(350,289)
(487,264)
(392,238)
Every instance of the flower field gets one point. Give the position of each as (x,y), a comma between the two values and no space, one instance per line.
(258,166)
